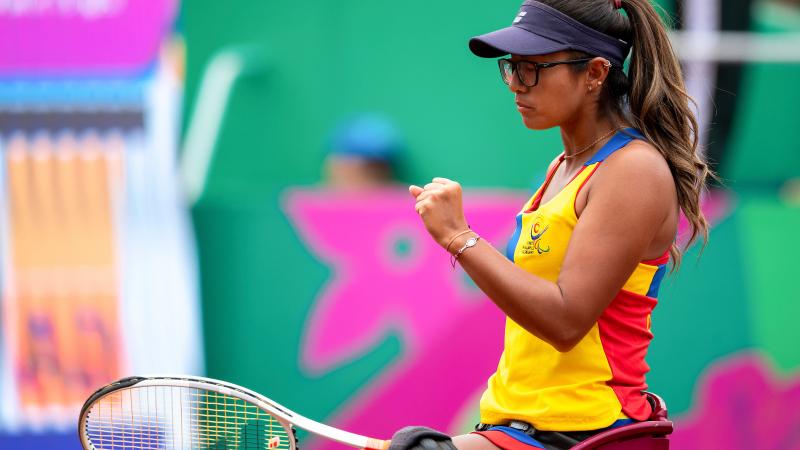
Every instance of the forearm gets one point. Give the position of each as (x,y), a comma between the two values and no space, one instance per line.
(534,303)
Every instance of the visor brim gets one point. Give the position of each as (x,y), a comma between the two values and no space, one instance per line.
(513,40)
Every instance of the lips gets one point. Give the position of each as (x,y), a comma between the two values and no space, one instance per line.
(522,106)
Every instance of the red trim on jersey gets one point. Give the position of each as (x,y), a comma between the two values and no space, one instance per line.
(663,259)
(625,336)
(538,199)
(539,195)
(575,200)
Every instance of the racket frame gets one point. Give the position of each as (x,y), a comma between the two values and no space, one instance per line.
(285,416)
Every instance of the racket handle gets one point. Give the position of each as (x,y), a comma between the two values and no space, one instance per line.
(377,444)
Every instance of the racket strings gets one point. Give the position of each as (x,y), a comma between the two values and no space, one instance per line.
(173,418)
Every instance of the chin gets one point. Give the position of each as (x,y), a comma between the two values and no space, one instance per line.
(534,124)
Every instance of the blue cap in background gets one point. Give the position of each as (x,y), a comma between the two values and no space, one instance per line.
(370,136)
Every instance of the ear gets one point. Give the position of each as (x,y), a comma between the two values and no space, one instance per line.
(596,73)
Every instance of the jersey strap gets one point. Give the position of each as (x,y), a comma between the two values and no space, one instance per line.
(621,139)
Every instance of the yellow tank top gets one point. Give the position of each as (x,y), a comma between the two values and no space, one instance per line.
(600,380)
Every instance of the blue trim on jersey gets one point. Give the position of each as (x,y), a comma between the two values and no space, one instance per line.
(518,435)
(656,283)
(521,436)
(620,139)
(512,244)
(621,423)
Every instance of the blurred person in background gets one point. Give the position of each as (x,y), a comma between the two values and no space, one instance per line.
(362,153)
(582,272)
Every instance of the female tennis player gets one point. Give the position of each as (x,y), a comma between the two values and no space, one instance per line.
(581,274)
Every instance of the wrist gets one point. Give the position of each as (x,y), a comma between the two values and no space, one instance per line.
(459,241)
(451,244)
(471,241)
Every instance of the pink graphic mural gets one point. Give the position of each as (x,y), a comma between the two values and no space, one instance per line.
(71,36)
(742,404)
(389,276)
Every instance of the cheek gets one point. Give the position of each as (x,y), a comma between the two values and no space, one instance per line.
(554,106)
(560,102)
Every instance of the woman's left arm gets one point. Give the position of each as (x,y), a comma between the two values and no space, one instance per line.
(628,200)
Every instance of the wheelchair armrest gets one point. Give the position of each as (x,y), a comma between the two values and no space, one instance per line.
(647,428)
(658,404)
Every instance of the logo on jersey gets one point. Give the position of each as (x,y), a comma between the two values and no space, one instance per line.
(536,244)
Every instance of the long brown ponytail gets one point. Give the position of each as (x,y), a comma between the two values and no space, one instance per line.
(652,96)
(659,106)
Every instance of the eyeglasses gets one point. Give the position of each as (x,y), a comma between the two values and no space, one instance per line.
(528,71)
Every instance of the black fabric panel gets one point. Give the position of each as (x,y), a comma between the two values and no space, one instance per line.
(735,15)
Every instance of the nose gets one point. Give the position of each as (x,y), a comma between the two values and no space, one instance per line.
(515,85)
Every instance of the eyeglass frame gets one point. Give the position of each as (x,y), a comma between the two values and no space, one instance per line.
(537,67)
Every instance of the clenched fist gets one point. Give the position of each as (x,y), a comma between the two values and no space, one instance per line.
(439,204)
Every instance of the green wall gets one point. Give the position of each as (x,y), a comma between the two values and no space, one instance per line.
(327,60)
(331,59)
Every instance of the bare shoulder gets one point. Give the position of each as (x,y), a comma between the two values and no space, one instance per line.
(637,179)
(639,164)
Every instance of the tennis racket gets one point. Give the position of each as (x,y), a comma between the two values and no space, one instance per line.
(183,413)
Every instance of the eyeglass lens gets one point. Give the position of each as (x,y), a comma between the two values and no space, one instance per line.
(526,72)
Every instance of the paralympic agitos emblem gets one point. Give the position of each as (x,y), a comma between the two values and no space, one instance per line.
(537,231)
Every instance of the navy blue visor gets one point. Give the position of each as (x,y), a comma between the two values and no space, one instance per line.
(539,29)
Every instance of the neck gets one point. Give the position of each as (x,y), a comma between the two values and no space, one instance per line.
(582,133)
